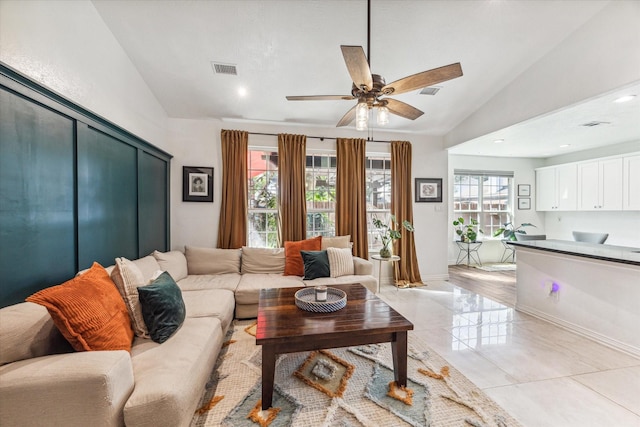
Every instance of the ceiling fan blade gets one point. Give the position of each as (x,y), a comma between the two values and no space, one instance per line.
(423,79)
(358,66)
(401,109)
(320,98)
(348,118)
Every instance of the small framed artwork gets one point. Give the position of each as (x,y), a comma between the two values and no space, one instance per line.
(524,190)
(197,184)
(524,203)
(428,190)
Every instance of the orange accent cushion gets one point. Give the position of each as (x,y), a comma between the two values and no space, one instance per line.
(293,264)
(89,311)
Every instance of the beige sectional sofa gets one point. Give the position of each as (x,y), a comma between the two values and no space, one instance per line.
(44,382)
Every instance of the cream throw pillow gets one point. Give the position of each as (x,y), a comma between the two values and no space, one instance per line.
(336,242)
(173,262)
(340,262)
(127,277)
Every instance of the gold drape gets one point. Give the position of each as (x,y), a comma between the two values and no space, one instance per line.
(232,229)
(351,200)
(292,204)
(406,270)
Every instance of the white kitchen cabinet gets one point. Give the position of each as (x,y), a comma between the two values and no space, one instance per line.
(556,188)
(631,183)
(600,185)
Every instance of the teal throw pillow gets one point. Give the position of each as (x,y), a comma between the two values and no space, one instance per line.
(162,306)
(316,264)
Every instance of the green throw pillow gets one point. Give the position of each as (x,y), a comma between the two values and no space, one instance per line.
(162,306)
(316,264)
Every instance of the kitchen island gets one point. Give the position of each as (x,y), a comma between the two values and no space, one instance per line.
(588,288)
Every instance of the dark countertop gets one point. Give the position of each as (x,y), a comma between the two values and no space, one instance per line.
(621,254)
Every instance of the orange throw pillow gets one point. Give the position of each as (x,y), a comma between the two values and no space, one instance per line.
(293,264)
(89,311)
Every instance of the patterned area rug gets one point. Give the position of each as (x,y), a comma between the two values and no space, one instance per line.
(341,387)
(496,267)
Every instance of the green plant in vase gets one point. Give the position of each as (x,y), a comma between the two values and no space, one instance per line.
(389,232)
(467,232)
(508,231)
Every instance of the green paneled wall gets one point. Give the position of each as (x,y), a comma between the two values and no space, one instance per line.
(74,189)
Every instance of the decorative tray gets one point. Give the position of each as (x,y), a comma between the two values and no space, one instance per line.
(306,300)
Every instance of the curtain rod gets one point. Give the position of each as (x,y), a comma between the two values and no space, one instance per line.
(321,138)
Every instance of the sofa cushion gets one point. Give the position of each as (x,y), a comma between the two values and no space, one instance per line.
(336,242)
(88,311)
(162,307)
(210,281)
(212,260)
(27,331)
(174,262)
(293,265)
(147,265)
(127,277)
(249,287)
(316,264)
(340,262)
(262,260)
(218,303)
(171,377)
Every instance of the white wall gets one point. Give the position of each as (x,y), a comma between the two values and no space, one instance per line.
(197,143)
(523,173)
(600,56)
(68,48)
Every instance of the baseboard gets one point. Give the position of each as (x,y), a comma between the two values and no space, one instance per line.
(588,333)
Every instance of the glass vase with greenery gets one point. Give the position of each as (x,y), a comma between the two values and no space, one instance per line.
(390,231)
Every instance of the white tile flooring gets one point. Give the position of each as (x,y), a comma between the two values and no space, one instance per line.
(541,374)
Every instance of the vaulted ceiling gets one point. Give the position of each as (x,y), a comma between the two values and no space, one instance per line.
(287,47)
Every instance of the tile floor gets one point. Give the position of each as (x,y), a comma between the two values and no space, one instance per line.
(541,374)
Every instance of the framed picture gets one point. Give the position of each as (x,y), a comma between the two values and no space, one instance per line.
(524,190)
(197,184)
(524,204)
(428,190)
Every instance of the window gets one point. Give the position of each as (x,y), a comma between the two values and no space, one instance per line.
(485,196)
(262,175)
(378,171)
(320,184)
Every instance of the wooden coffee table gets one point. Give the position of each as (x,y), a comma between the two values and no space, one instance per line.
(284,328)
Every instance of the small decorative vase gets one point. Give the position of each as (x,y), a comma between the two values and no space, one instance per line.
(385,252)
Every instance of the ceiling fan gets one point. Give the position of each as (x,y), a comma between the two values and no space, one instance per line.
(371,90)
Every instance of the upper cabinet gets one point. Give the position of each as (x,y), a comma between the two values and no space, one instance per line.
(556,188)
(631,183)
(600,185)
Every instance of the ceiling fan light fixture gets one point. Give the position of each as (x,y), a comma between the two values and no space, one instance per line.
(362,116)
(383,116)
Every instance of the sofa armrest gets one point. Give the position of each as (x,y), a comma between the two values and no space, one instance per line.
(72,389)
(362,267)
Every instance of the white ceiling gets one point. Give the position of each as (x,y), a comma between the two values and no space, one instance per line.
(289,47)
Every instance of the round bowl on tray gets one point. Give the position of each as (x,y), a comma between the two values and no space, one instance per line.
(306,300)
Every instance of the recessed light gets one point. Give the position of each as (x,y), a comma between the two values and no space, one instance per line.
(565,145)
(498,141)
(625,98)
(242,91)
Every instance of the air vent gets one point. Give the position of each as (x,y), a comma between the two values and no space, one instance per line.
(221,68)
(595,123)
(431,90)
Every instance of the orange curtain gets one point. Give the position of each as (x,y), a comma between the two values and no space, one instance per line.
(406,270)
(292,204)
(351,200)
(232,229)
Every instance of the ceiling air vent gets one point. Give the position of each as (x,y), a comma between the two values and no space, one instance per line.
(431,90)
(221,68)
(594,123)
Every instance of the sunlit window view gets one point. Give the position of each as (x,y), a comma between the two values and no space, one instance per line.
(262,175)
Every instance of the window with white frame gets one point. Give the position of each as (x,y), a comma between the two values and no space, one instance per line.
(378,190)
(262,176)
(320,193)
(485,196)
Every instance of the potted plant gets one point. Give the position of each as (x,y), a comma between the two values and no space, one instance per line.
(509,232)
(389,232)
(467,232)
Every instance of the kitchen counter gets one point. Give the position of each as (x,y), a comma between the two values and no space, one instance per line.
(622,254)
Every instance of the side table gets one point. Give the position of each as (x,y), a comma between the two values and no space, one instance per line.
(391,259)
(468,251)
